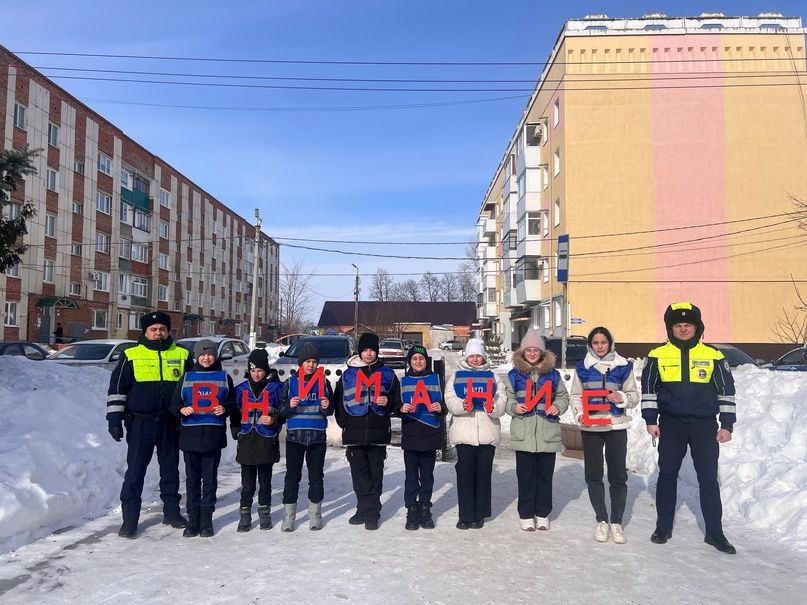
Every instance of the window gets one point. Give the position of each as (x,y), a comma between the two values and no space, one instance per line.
(104,163)
(123,283)
(52,180)
(140,252)
(545,173)
(14,210)
(165,198)
(126,178)
(533,223)
(78,167)
(10,314)
(534,134)
(526,268)
(75,249)
(200,300)
(163,230)
(19,116)
(509,241)
(545,222)
(188,297)
(556,167)
(189,269)
(53,135)
(50,225)
(102,281)
(47,270)
(13,271)
(558,314)
(78,208)
(75,288)
(556,112)
(142,221)
(126,213)
(491,295)
(162,261)
(103,202)
(99,319)
(134,320)
(545,272)
(162,293)
(101,242)
(556,222)
(119,322)
(177,305)
(140,287)
(125,248)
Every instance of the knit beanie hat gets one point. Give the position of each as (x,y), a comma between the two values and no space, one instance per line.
(307,351)
(682,313)
(155,317)
(475,346)
(368,340)
(418,350)
(532,339)
(205,346)
(258,359)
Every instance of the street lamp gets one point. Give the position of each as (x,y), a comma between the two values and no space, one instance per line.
(356,305)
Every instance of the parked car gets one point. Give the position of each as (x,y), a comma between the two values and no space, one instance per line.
(452,345)
(102,352)
(735,356)
(792,361)
(232,353)
(334,352)
(23,348)
(576,349)
(392,352)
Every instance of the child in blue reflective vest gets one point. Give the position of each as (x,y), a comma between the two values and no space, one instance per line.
(422,431)
(475,430)
(257,435)
(202,401)
(306,417)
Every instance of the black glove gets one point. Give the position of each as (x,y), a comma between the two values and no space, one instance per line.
(116,431)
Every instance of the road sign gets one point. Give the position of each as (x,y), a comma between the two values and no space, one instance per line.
(577,320)
(563,258)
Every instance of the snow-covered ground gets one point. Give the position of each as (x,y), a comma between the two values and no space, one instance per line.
(60,475)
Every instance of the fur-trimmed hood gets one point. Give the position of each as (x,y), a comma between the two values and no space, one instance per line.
(547,363)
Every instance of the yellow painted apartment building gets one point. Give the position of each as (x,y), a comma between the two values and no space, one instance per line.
(669,150)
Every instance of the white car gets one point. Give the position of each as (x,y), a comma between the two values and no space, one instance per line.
(102,353)
(232,353)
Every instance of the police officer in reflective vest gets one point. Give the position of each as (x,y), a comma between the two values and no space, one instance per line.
(685,383)
(139,395)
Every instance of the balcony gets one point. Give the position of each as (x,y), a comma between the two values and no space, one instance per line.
(486,310)
(488,227)
(138,199)
(528,291)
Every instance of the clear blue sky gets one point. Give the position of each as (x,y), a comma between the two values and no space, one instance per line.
(404,174)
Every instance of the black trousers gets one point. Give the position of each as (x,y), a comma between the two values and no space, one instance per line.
(616,447)
(474,473)
(249,474)
(701,437)
(142,436)
(419,481)
(201,479)
(534,472)
(314,456)
(367,471)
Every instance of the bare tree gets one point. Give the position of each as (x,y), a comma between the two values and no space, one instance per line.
(449,287)
(381,288)
(791,326)
(407,290)
(294,304)
(430,286)
(466,279)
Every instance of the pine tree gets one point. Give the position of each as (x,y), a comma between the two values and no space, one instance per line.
(14,167)
(493,346)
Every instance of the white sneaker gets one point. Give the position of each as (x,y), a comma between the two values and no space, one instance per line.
(526,524)
(542,523)
(601,532)
(617,537)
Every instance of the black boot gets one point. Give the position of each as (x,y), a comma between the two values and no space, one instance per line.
(660,537)
(128,530)
(720,543)
(265,516)
(426,521)
(206,522)
(192,528)
(175,520)
(245,522)
(412,517)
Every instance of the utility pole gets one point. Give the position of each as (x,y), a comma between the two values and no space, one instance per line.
(356,306)
(254,302)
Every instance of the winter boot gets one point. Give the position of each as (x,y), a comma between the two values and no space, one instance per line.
(245,522)
(315,515)
(357,519)
(128,530)
(290,516)
(720,543)
(192,528)
(412,517)
(175,520)
(206,522)
(265,516)
(426,520)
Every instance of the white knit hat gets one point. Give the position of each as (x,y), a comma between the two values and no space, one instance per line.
(475,346)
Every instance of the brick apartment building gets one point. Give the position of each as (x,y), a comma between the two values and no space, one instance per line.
(118,231)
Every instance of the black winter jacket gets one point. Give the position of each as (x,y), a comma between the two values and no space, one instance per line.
(416,435)
(370,429)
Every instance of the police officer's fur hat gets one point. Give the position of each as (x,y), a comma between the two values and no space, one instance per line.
(682,313)
(155,317)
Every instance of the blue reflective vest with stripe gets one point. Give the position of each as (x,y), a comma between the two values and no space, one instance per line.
(208,398)
(519,381)
(357,404)
(308,413)
(480,383)
(592,379)
(271,393)
(420,413)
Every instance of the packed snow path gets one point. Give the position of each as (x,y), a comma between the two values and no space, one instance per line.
(347,564)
